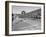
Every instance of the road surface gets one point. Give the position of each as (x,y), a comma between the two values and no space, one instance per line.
(20,24)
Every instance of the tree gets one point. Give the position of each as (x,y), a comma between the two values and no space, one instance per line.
(23,12)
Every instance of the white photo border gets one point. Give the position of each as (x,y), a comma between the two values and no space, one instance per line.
(24,32)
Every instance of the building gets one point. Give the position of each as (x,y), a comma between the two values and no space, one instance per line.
(33,14)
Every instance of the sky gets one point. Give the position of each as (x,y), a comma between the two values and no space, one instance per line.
(19,9)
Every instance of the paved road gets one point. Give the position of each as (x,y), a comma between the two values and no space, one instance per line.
(26,24)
